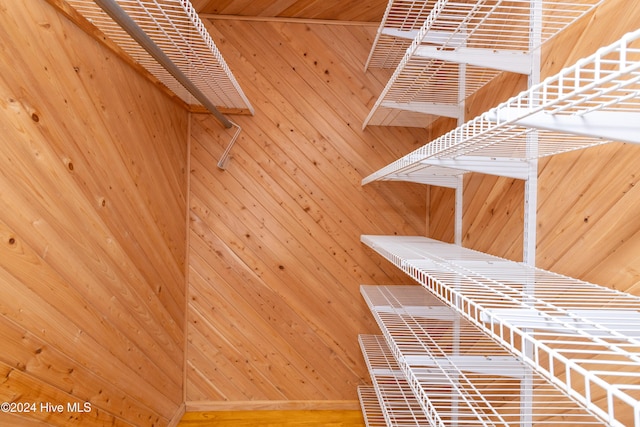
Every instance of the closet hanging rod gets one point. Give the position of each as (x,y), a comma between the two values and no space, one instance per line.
(116,13)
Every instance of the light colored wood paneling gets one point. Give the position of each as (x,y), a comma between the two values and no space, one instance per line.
(92,228)
(285,176)
(93,201)
(276,260)
(345,10)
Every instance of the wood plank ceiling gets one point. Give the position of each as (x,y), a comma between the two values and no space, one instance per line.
(340,10)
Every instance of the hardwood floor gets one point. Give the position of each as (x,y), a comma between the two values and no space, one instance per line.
(299,418)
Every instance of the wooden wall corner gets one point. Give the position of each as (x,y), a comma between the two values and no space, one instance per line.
(177,417)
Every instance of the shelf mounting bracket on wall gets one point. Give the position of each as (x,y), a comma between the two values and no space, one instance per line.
(503,60)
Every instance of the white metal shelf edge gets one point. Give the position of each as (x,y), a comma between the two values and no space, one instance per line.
(397,403)
(503,60)
(607,125)
(480,286)
(457,371)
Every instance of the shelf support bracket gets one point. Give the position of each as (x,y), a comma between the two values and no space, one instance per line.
(433,36)
(447,181)
(504,60)
(511,168)
(607,125)
(437,109)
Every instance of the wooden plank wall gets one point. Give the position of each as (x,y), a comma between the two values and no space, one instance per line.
(93,185)
(275,261)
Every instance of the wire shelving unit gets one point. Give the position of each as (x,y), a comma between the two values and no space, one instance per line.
(371,410)
(583,338)
(593,102)
(392,402)
(400,24)
(458,375)
(174,26)
(458,48)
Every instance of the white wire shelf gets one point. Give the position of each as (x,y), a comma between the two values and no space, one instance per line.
(459,374)
(397,405)
(401,21)
(488,36)
(592,102)
(583,337)
(176,29)
(371,410)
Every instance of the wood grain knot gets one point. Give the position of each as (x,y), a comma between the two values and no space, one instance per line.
(68,163)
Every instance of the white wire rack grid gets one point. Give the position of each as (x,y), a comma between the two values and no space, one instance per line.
(593,102)
(371,410)
(494,29)
(461,373)
(398,406)
(176,29)
(398,28)
(584,338)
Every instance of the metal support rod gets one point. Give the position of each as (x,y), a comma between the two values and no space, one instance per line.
(459,200)
(457,231)
(113,9)
(531,211)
